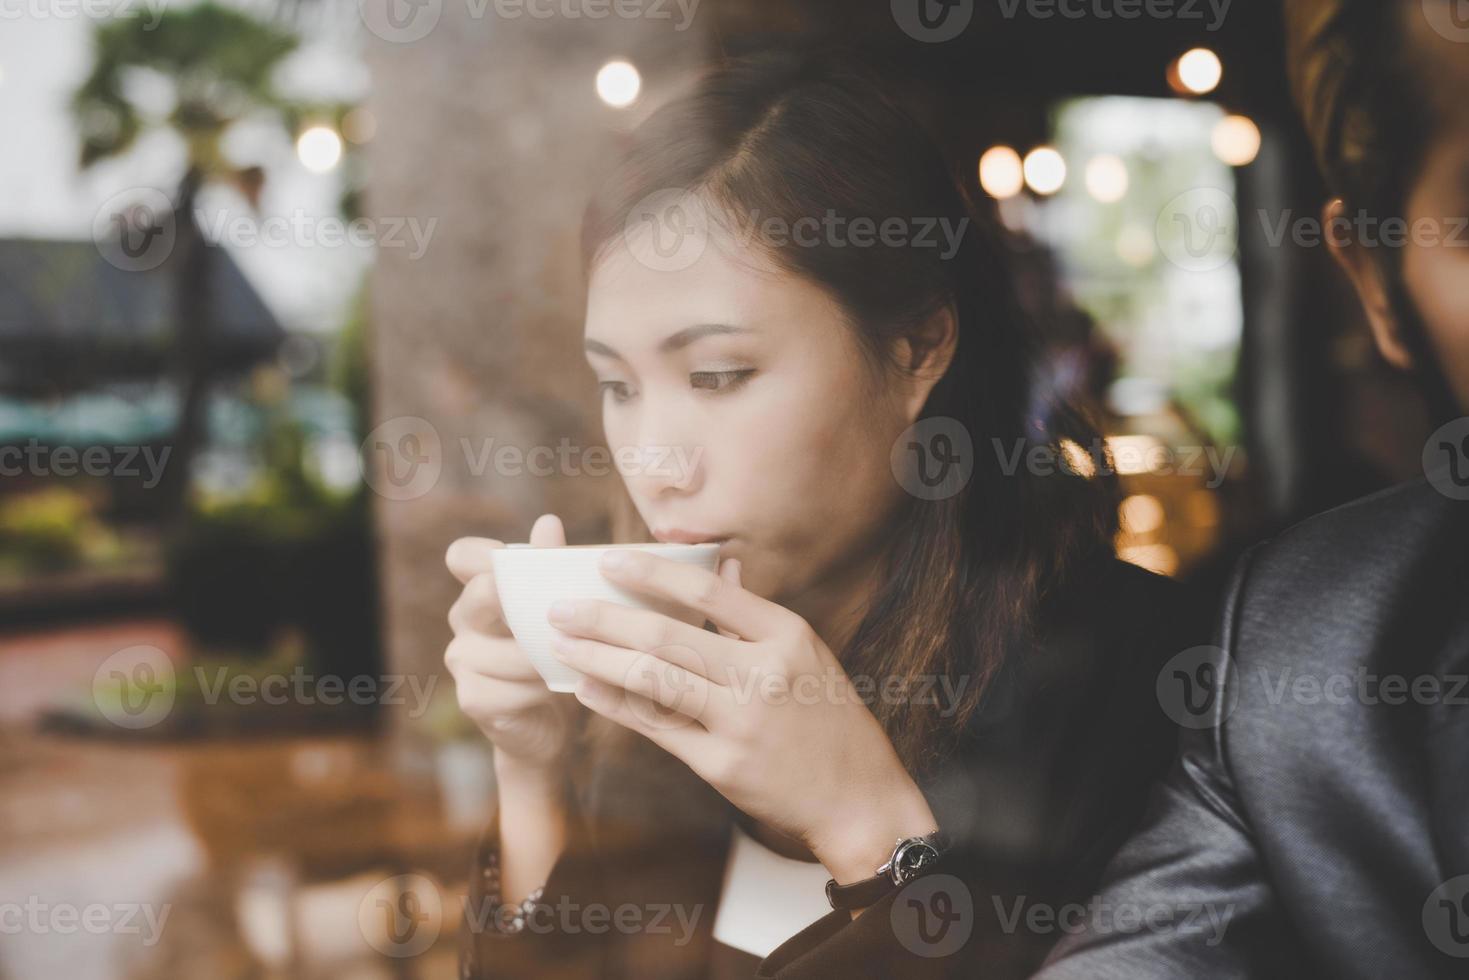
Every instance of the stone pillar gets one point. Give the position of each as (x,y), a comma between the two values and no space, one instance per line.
(490,128)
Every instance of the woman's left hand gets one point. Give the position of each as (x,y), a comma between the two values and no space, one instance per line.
(761,710)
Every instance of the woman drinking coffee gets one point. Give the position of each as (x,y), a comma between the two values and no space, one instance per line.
(923,704)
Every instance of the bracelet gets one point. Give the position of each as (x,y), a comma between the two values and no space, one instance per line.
(505,919)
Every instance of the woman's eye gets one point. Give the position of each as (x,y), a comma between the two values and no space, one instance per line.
(720,380)
(617,389)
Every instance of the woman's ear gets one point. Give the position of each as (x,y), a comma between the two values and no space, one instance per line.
(926,353)
(1361,267)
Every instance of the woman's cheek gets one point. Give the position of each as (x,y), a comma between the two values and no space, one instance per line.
(1437,278)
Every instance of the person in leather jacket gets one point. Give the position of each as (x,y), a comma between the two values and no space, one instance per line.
(1316,822)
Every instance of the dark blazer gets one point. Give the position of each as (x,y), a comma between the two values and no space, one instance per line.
(1321,807)
(1048,782)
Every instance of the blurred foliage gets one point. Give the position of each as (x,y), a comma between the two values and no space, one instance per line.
(286,553)
(219,59)
(220,63)
(283,564)
(1178,327)
(54,529)
(351,361)
(203,702)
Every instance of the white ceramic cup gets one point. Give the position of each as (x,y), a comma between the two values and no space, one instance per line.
(529,579)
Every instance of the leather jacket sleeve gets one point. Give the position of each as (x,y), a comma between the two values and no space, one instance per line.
(1187,895)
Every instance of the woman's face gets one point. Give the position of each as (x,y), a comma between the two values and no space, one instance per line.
(752,414)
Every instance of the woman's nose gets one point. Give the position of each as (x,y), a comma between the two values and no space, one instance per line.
(655,469)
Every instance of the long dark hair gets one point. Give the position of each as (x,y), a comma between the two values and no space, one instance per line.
(792,136)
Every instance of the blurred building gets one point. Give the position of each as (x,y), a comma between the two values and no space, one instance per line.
(70,319)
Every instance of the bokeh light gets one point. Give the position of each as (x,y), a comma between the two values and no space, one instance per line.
(618,84)
(1236,140)
(359,125)
(1045,170)
(1001,173)
(1136,245)
(1106,178)
(1199,71)
(1142,513)
(319,149)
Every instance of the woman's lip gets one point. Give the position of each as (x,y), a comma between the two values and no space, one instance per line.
(679,536)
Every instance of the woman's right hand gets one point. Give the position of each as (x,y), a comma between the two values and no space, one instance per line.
(497,687)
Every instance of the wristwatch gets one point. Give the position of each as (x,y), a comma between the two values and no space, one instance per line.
(912,857)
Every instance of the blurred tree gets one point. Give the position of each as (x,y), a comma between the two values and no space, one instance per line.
(220,63)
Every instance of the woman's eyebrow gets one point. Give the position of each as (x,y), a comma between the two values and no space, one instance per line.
(672,342)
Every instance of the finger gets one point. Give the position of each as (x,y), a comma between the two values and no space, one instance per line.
(730,606)
(491,657)
(477,610)
(684,740)
(646,631)
(468,557)
(729,569)
(492,696)
(663,682)
(471,560)
(548,532)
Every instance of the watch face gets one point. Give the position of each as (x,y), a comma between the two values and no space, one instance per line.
(913,857)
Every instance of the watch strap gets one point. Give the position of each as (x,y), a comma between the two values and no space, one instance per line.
(869,891)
